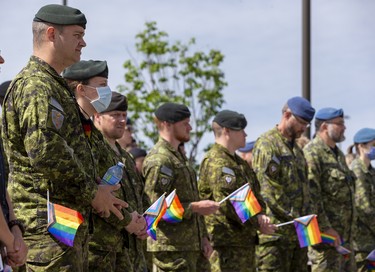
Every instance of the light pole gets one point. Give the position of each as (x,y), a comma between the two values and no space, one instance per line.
(65,2)
(306,55)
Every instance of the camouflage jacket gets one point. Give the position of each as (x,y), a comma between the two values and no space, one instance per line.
(365,205)
(46,146)
(166,169)
(331,187)
(221,173)
(108,232)
(282,173)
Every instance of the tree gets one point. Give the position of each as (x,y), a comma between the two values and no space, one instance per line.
(170,73)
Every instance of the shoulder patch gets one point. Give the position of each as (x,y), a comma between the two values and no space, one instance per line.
(228,171)
(56,104)
(57,119)
(275,159)
(273,169)
(167,171)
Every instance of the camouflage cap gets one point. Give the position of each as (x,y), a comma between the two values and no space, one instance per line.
(172,112)
(329,113)
(364,135)
(60,15)
(86,69)
(230,119)
(119,102)
(301,107)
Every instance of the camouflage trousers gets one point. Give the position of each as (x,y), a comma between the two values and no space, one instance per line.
(278,256)
(182,261)
(136,254)
(229,259)
(105,260)
(47,254)
(325,258)
(361,262)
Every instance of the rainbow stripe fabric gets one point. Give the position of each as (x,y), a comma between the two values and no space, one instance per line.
(153,215)
(371,261)
(63,223)
(327,239)
(245,203)
(174,211)
(307,229)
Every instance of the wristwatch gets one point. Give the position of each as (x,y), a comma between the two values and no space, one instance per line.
(18,223)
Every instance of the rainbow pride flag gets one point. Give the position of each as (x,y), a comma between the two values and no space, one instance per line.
(307,229)
(245,203)
(63,223)
(371,261)
(174,211)
(327,239)
(153,215)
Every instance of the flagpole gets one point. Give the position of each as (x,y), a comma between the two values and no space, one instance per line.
(243,186)
(286,223)
(48,207)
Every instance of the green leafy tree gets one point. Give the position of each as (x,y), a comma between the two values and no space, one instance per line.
(172,73)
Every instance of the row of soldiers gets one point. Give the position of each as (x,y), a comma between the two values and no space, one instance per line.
(60,136)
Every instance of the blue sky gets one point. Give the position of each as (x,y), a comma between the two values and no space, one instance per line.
(261,41)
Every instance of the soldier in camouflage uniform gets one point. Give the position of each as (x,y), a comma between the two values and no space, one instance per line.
(282,173)
(364,241)
(112,123)
(332,191)
(179,245)
(46,145)
(89,82)
(222,172)
(11,229)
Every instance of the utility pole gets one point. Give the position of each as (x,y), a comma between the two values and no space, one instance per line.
(65,2)
(306,55)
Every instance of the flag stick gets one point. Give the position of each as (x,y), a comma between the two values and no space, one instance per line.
(48,207)
(233,193)
(286,223)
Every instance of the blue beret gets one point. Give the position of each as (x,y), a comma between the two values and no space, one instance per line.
(301,107)
(248,147)
(172,112)
(86,69)
(230,119)
(329,113)
(364,135)
(60,15)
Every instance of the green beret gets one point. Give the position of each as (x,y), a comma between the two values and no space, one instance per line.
(86,69)
(230,119)
(60,15)
(172,112)
(118,103)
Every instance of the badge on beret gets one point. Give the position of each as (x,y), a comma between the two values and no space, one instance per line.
(57,119)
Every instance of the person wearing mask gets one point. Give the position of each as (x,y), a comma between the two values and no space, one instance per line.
(282,173)
(89,82)
(364,241)
(222,172)
(332,191)
(178,246)
(46,146)
(12,245)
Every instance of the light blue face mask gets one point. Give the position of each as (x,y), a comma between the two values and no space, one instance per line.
(104,98)
(371,153)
